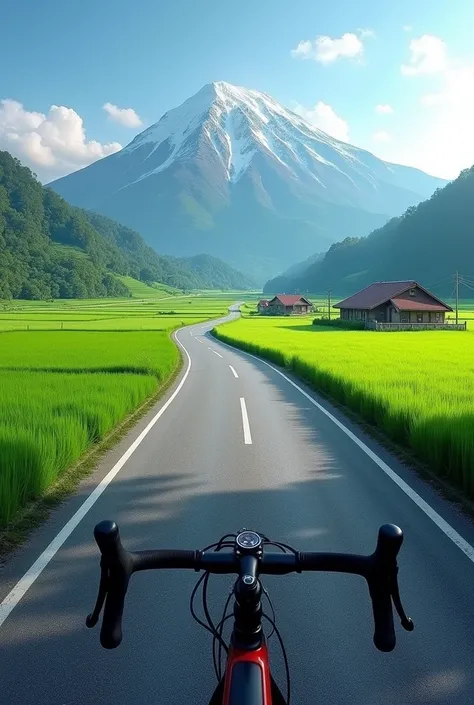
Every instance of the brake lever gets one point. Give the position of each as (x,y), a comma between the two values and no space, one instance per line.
(92,619)
(406,622)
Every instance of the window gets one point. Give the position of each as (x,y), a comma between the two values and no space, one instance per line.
(438,316)
(419,318)
(412,292)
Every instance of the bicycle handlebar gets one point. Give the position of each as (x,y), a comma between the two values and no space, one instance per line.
(379,569)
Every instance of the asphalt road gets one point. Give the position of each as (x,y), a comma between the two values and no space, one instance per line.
(201,472)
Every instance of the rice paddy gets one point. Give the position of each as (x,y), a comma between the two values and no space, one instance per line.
(416,387)
(71,370)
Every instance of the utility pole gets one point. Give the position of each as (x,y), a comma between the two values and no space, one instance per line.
(457,297)
(329,304)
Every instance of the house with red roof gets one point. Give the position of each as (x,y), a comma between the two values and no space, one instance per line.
(287,305)
(399,302)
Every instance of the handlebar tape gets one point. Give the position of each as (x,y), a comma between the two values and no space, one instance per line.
(384,562)
(121,564)
(120,567)
(384,631)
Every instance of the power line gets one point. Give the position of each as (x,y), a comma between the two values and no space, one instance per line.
(469,286)
(451,297)
(441,281)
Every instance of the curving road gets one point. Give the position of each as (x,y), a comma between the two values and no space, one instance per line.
(212,464)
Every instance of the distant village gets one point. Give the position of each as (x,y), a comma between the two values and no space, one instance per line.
(397,305)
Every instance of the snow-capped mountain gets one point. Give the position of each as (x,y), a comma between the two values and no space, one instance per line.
(233,173)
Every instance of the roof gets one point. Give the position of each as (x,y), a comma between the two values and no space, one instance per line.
(263,302)
(382,292)
(406,305)
(375,294)
(290,299)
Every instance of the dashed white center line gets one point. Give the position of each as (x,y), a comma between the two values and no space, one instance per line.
(199,340)
(215,352)
(234,372)
(245,422)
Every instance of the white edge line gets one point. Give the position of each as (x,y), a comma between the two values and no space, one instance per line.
(215,352)
(245,423)
(23,585)
(234,372)
(436,518)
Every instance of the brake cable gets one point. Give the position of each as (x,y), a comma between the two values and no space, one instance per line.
(407,622)
(285,657)
(93,618)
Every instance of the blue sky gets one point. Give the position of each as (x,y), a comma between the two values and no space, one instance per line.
(149,56)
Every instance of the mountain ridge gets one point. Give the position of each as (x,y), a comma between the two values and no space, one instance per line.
(436,234)
(230,171)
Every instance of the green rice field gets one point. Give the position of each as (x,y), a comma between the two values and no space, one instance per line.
(72,370)
(416,387)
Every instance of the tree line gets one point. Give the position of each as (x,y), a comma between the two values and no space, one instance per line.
(50,249)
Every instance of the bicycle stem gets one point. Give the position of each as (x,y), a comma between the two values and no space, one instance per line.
(248,632)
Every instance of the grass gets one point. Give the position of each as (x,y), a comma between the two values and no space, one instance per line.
(97,351)
(43,430)
(417,388)
(140,290)
(71,371)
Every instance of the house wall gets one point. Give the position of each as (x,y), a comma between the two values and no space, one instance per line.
(276,310)
(280,310)
(388,314)
(426,317)
(379,314)
(350,314)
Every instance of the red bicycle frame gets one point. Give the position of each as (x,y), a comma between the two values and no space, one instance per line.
(247,677)
(247,680)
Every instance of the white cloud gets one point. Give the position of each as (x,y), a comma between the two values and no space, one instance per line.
(383,109)
(366,33)
(381,136)
(51,145)
(124,116)
(326,49)
(444,144)
(304,50)
(449,139)
(428,56)
(326,119)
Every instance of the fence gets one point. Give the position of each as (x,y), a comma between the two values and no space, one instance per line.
(375,325)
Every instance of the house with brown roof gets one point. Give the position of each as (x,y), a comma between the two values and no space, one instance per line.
(384,305)
(287,305)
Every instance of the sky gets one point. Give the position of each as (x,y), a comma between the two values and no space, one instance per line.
(79,80)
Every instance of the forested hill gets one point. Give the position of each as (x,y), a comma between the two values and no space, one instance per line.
(428,243)
(198,272)
(49,249)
